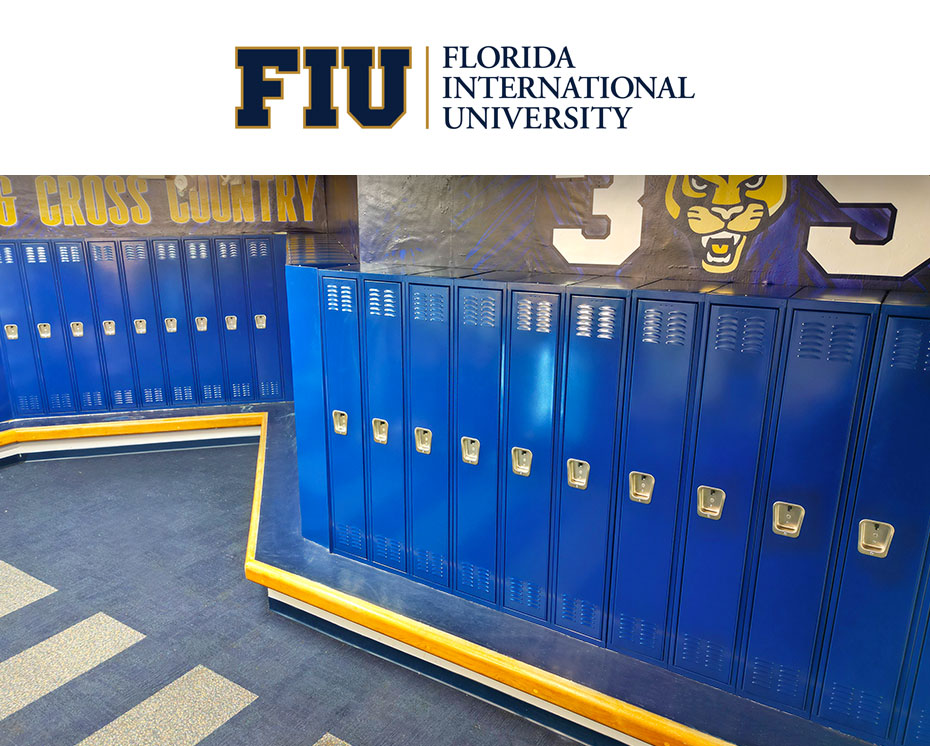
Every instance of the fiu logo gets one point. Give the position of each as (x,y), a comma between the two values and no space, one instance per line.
(723,212)
(321,62)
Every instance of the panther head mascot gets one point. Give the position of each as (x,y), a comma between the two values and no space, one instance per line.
(723,212)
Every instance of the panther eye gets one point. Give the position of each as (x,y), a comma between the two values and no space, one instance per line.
(697,184)
(754,182)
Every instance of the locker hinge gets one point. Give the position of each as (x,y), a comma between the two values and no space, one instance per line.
(379,430)
(470,450)
(641,486)
(77,328)
(423,438)
(710,502)
(200,323)
(340,422)
(787,519)
(171,325)
(261,321)
(578,472)
(231,323)
(109,328)
(521,460)
(140,325)
(45,330)
(12,331)
(875,537)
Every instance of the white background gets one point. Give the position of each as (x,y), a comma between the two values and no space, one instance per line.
(791,87)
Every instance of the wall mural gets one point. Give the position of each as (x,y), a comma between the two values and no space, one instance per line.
(795,230)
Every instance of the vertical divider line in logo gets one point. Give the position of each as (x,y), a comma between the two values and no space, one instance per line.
(427,88)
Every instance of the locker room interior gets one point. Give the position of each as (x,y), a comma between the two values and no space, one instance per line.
(559,504)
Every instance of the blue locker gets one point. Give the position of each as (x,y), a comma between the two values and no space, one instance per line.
(824,362)
(664,327)
(886,542)
(143,316)
(45,311)
(205,320)
(114,330)
(479,364)
(6,405)
(588,465)
(264,320)
(738,366)
(174,321)
(428,319)
(345,428)
(80,327)
(234,316)
(279,247)
(25,388)
(383,426)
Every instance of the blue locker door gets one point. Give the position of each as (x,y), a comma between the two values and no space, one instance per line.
(877,594)
(384,351)
(592,389)
(143,317)
(531,416)
(428,369)
(660,381)
(819,392)
(22,367)
(279,246)
(234,316)
(80,327)
(264,321)
(174,321)
(49,326)
(738,366)
(114,329)
(479,361)
(343,381)
(205,321)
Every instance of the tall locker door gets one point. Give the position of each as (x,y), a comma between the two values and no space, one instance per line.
(175,324)
(479,362)
(824,361)
(649,483)
(208,353)
(114,329)
(265,327)
(49,326)
(588,463)
(737,371)
(531,420)
(384,426)
(21,359)
(343,384)
(428,429)
(887,541)
(279,246)
(145,322)
(234,315)
(80,328)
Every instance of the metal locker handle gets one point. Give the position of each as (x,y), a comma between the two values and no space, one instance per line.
(423,438)
(231,322)
(710,502)
(340,422)
(471,447)
(379,429)
(12,331)
(109,328)
(77,328)
(201,323)
(787,519)
(261,321)
(641,486)
(521,460)
(45,330)
(875,537)
(140,325)
(578,472)
(171,325)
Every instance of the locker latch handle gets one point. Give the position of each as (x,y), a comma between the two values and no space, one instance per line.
(521,460)
(787,519)
(12,331)
(140,325)
(340,422)
(471,447)
(231,323)
(200,323)
(171,325)
(641,486)
(45,330)
(77,328)
(423,438)
(875,537)
(261,321)
(578,472)
(109,328)
(379,430)
(710,502)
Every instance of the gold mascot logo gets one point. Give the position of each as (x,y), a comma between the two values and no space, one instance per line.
(724,211)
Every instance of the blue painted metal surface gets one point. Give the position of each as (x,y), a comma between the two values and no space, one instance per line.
(206,320)
(144,322)
(18,344)
(279,247)
(175,322)
(235,325)
(264,318)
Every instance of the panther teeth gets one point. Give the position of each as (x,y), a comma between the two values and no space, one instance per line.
(719,259)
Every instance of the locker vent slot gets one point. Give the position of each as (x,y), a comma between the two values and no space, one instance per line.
(134,252)
(579,611)
(36,254)
(835,343)
(183,393)
(350,537)
(534,316)
(430,564)
(69,253)
(8,255)
(30,403)
(166,250)
(911,350)
(382,302)
(428,305)
(91,399)
(269,389)
(242,390)
(212,392)
(258,248)
(123,397)
(600,324)
(59,401)
(153,395)
(228,249)
(479,310)
(661,328)
(198,250)
(474,578)
(640,632)
(740,334)
(774,677)
(103,252)
(704,655)
(388,551)
(919,732)
(524,593)
(854,705)
(340,297)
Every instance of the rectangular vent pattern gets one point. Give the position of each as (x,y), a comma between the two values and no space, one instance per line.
(103,252)
(28,403)
(153,395)
(835,342)
(911,349)
(786,681)
(90,399)
(669,327)
(849,704)
(6,255)
(228,249)
(524,593)
(431,564)
(640,632)
(59,401)
(388,551)
(166,250)
(350,537)
(428,305)
(599,323)
(475,578)
(198,250)
(183,393)
(212,392)
(382,302)
(258,249)
(340,296)
(579,611)
(698,653)
(268,389)
(35,253)
(919,730)
(534,316)
(479,310)
(134,252)
(744,334)
(123,397)
(241,390)
(69,253)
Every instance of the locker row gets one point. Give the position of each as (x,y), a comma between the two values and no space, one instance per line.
(728,481)
(107,325)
